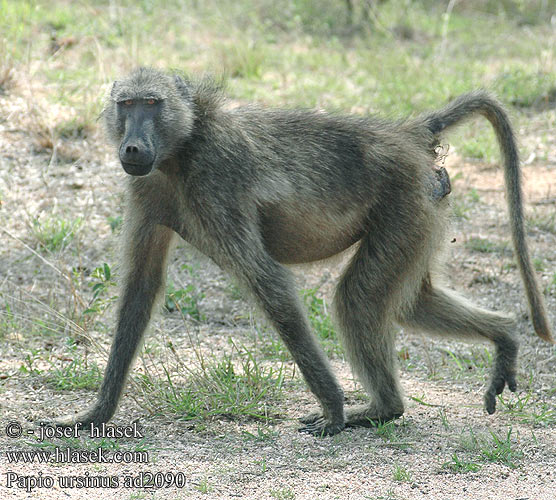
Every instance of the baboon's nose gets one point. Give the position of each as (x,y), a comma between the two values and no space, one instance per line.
(133,153)
(136,158)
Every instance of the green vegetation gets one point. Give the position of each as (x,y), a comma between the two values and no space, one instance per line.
(263,435)
(186,300)
(455,464)
(486,448)
(75,375)
(321,322)
(282,494)
(500,450)
(525,409)
(551,284)
(475,360)
(100,283)
(115,222)
(54,234)
(233,385)
(401,474)
(483,245)
(397,60)
(204,486)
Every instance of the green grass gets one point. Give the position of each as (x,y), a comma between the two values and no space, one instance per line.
(526,88)
(321,322)
(8,321)
(524,409)
(270,345)
(243,58)
(100,282)
(401,474)
(501,449)
(480,144)
(263,435)
(491,447)
(232,386)
(204,486)
(538,264)
(75,128)
(392,433)
(483,245)
(444,418)
(462,199)
(282,494)
(460,207)
(456,464)
(185,300)
(29,324)
(54,234)
(544,222)
(75,375)
(296,41)
(477,360)
(115,222)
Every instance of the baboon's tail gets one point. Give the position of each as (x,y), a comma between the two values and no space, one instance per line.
(482,102)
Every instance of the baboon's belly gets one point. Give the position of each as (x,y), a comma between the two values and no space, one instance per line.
(296,237)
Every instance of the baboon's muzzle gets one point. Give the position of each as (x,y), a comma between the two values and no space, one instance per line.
(136,158)
(137,169)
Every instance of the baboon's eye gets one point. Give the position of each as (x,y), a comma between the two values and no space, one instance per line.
(128,102)
(151,101)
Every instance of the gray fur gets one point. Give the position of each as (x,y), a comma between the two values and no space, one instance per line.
(257,188)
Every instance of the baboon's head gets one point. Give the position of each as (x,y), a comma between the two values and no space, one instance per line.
(148,116)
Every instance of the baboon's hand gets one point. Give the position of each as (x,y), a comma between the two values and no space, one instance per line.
(317,425)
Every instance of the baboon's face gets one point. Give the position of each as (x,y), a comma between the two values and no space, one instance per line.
(138,149)
(148,116)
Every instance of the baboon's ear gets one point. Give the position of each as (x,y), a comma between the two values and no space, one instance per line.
(183,87)
(113,91)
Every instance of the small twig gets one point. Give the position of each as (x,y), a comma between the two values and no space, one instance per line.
(35,253)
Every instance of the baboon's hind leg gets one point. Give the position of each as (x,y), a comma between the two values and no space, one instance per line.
(442,311)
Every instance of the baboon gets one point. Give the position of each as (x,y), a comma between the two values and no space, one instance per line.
(255,188)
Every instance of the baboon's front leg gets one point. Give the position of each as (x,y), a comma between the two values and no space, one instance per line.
(279,300)
(144,261)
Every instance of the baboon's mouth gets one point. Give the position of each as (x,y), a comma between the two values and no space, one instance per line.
(137,169)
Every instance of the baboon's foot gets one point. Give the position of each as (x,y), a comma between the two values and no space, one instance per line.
(93,415)
(359,416)
(504,373)
(370,415)
(317,425)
